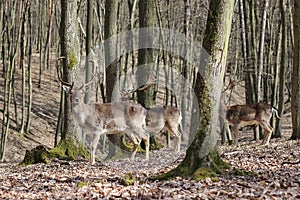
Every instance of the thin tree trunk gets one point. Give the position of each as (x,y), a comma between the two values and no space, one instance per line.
(88,48)
(48,37)
(29,78)
(111,71)
(23,47)
(261,49)
(295,103)
(283,62)
(145,56)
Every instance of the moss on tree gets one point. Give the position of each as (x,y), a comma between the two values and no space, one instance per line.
(70,149)
(210,166)
(73,62)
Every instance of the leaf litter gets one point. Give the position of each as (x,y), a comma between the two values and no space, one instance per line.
(270,172)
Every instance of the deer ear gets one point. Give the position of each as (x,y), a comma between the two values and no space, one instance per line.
(66,88)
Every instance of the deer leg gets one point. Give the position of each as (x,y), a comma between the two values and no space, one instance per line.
(146,139)
(228,133)
(147,144)
(236,132)
(267,132)
(136,143)
(93,147)
(177,138)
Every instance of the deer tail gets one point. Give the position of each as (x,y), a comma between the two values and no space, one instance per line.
(275,110)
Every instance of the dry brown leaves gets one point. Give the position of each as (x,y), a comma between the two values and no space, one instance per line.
(278,177)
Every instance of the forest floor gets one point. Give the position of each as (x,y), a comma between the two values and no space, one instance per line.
(271,172)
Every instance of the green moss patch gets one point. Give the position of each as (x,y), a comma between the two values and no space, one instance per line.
(203,173)
(127,179)
(82,184)
(36,155)
(66,149)
(241,172)
(69,149)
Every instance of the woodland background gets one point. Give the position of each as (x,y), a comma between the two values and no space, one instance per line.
(260,60)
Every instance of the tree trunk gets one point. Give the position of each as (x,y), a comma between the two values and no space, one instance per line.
(110,28)
(202,153)
(283,62)
(295,103)
(29,78)
(23,47)
(88,48)
(261,50)
(145,70)
(145,56)
(184,84)
(251,67)
(69,144)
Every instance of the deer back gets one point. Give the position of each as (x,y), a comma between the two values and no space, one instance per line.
(120,115)
(252,113)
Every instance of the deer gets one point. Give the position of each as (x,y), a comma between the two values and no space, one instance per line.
(161,118)
(251,114)
(96,119)
(165,118)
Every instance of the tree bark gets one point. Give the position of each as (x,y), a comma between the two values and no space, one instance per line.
(69,144)
(283,62)
(261,50)
(88,48)
(146,56)
(295,103)
(203,152)
(111,70)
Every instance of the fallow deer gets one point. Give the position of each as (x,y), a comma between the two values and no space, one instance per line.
(108,118)
(251,114)
(161,118)
(165,118)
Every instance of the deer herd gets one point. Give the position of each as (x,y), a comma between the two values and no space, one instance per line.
(136,122)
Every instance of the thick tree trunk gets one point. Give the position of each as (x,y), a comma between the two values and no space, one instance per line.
(203,153)
(69,145)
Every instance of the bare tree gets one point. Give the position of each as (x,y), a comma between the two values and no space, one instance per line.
(295,103)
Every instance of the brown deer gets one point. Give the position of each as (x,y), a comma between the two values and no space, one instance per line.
(107,118)
(251,114)
(165,118)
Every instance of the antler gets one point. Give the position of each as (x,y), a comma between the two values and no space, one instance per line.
(88,83)
(59,77)
(143,87)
